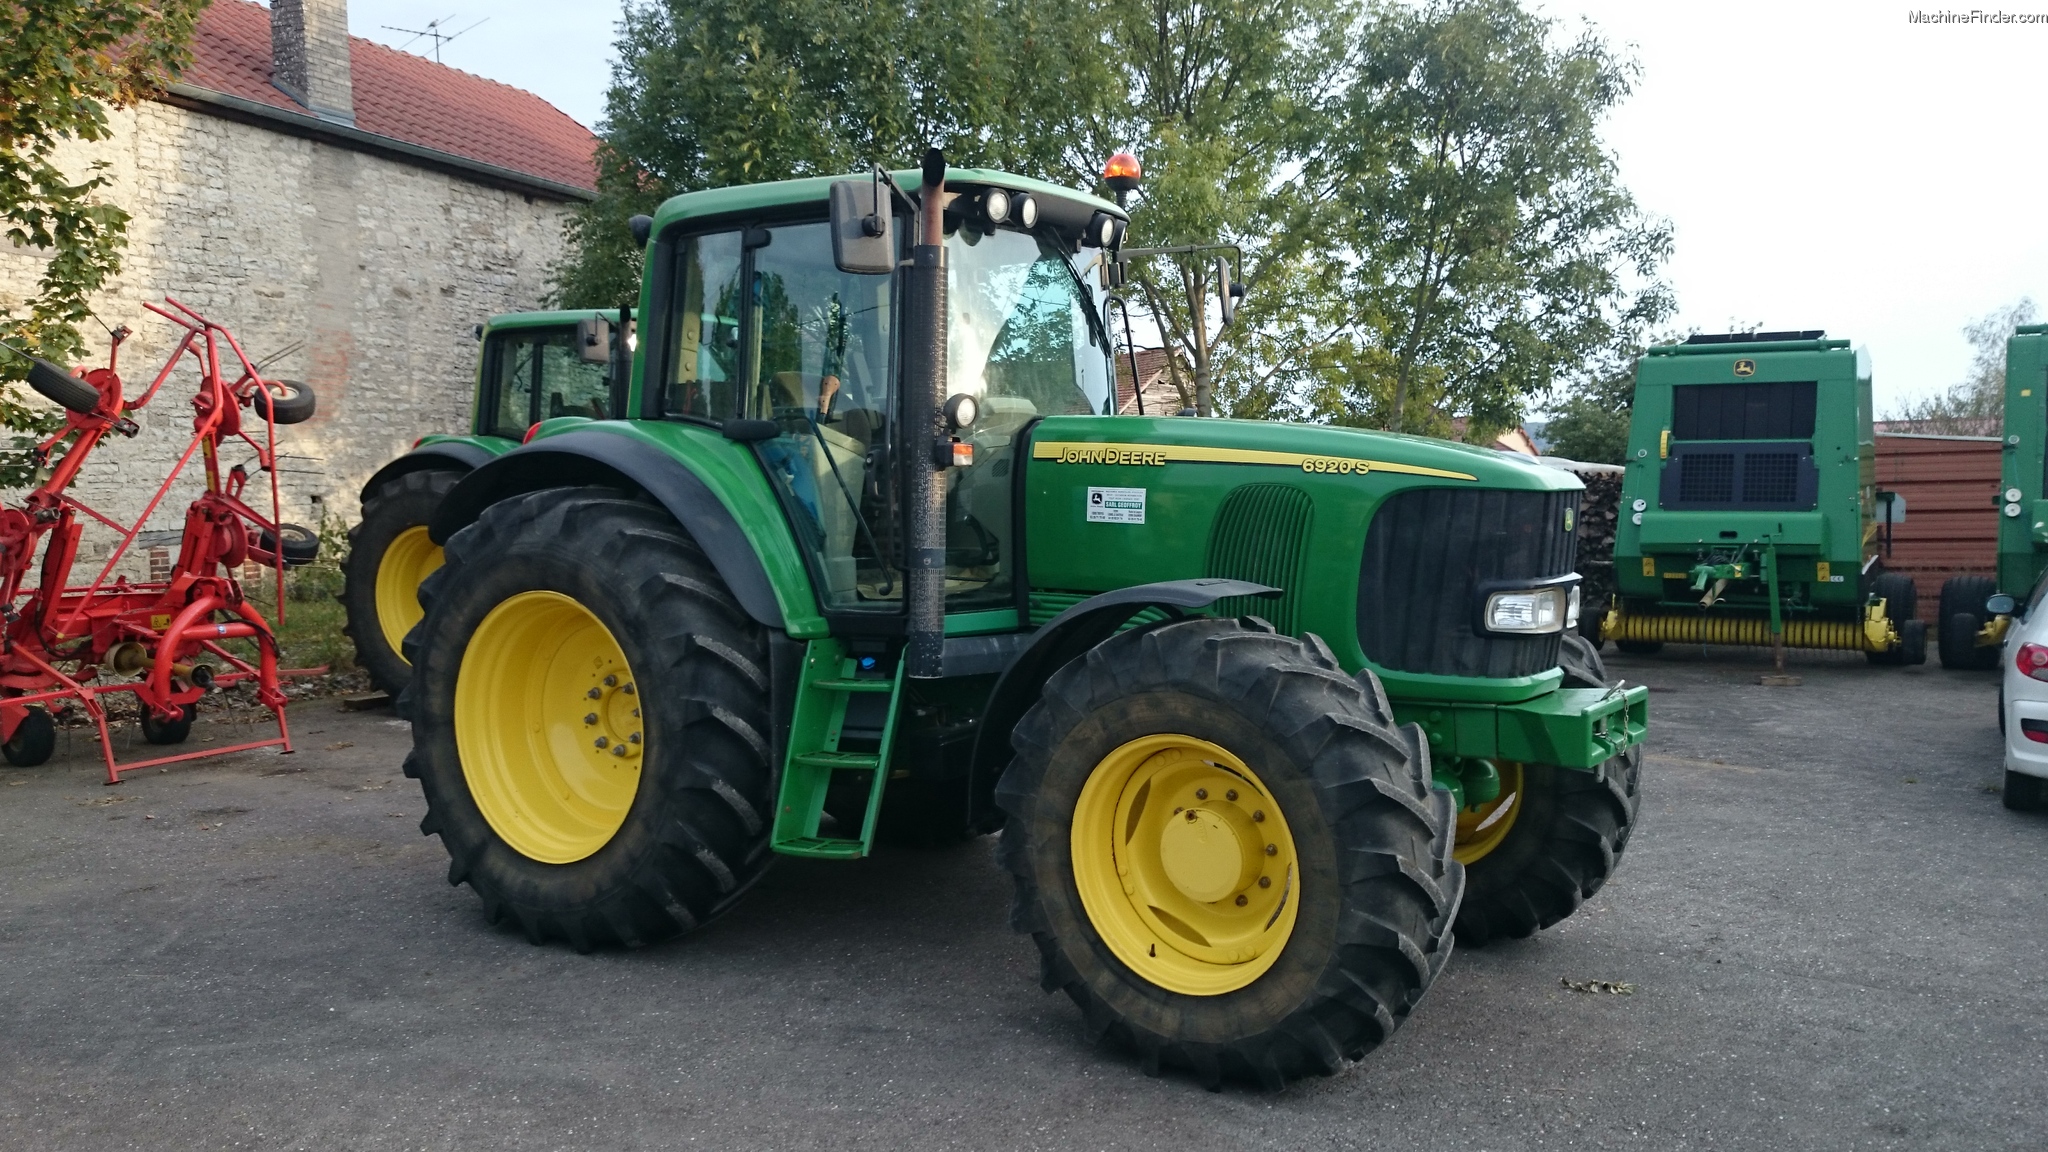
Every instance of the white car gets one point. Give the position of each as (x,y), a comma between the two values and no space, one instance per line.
(2023,700)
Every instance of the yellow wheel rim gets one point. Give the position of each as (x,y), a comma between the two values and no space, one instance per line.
(410,558)
(1481,829)
(548,726)
(1185,864)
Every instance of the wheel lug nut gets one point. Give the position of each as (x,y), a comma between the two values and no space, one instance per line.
(1192,817)
(635,738)
(611,681)
(1272,850)
(1258,817)
(1201,793)
(628,689)
(590,717)
(1230,795)
(1265,881)
(620,750)
(593,693)
(1241,901)
(602,742)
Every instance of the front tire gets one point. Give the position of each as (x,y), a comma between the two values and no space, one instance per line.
(389,555)
(1553,837)
(1293,906)
(590,721)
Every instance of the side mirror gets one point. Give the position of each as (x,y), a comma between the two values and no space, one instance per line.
(2000,605)
(641,227)
(863,228)
(1227,293)
(594,340)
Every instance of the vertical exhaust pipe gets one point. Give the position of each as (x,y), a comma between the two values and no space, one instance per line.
(924,384)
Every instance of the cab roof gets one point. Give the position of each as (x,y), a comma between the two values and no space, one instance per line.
(1064,208)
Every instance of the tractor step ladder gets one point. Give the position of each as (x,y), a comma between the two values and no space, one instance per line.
(827,685)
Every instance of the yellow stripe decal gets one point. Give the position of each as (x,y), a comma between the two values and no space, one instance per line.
(1156,454)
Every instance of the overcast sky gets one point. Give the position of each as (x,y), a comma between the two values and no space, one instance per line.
(1825,165)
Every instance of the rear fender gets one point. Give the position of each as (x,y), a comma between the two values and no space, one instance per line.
(452,455)
(600,459)
(1067,637)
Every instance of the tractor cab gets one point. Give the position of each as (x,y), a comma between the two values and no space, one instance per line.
(769,338)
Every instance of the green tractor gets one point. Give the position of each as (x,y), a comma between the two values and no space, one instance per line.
(1750,513)
(1265,714)
(532,366)
(1970,632)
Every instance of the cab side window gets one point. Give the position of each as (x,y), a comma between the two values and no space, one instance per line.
(538,374)
(703,355)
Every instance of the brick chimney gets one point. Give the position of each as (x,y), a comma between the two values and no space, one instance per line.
(309,56)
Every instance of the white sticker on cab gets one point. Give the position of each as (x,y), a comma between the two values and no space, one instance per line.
(1116,505)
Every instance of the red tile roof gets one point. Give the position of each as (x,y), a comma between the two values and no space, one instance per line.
(404,97)
(1161,398)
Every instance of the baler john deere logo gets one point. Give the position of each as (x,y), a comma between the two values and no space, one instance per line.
(1745,367)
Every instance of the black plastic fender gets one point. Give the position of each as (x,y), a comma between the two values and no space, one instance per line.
(450,457)
(596,458)
(1067,636)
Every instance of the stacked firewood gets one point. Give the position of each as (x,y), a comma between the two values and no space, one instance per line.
(1599,512)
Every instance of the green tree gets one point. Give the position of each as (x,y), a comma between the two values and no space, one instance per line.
(1222,102)
(1975,405)
(707,93)
(63,64)
(1488,247)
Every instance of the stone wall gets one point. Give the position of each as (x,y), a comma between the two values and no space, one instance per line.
(381,269)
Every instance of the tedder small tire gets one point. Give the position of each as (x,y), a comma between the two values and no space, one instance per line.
(1965,596)
(1639,647)
(1564,837)
(35,739)
(288,401)
(55,384)
(168,731)
(389,554)
(559,617)
(2024,793)
(1175,931)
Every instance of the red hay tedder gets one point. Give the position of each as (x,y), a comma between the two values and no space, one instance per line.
(165,641)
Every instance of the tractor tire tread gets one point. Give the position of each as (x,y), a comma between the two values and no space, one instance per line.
(1399,885)
(688,853)
(1545,870)
(395,505)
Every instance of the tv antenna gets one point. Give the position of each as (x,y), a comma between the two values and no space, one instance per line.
(433,31)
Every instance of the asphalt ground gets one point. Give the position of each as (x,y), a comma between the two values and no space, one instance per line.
(1836,938)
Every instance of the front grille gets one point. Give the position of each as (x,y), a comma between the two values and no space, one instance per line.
(1427,552)
(1770,478)
(1767,476)
(1706,476)
(1258,536)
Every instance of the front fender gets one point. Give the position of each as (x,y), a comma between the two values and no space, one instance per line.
(728,510)
(1066,637)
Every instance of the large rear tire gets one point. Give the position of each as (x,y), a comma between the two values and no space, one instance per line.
(560,617)
(389,554)
(1962,615)
(1553,837)
(1290,909)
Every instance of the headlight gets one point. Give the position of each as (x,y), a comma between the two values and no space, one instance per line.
(1550,606)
